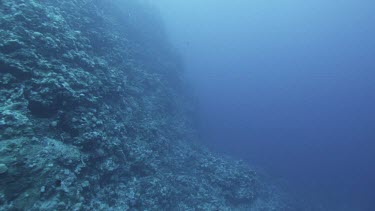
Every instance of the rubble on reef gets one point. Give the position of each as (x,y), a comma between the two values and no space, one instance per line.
(94,115)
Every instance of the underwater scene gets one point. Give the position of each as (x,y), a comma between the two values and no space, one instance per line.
(218,105)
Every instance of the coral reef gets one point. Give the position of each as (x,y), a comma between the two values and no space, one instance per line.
(94,115)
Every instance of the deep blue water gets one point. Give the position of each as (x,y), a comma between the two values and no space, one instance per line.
(289,86)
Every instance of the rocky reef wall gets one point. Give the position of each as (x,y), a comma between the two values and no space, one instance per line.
(94,115)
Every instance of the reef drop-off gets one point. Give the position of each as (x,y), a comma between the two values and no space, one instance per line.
(94,115)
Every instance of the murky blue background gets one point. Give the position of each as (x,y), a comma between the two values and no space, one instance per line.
(289,86)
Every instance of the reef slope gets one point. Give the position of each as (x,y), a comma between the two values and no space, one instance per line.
(94,115)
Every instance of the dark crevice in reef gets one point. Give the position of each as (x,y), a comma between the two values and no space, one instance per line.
(95,115)
(44,110)
(14,71)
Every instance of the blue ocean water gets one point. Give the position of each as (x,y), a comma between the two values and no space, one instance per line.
(288,86)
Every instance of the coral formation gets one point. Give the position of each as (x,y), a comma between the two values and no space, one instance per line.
(94,115)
